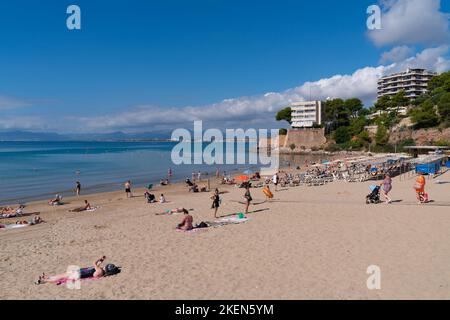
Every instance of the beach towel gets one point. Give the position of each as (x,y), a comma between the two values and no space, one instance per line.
(195,230)
(14,226)
(92,209)
(233,219)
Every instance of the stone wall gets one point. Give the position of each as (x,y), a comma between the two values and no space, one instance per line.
(307,138)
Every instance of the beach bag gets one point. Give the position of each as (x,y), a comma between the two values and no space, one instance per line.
(111,269)
(202,225)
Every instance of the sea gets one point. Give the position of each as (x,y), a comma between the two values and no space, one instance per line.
(38,170)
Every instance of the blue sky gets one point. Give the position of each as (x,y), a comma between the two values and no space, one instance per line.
(134,57)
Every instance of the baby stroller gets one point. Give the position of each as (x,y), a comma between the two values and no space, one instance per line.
(374,195)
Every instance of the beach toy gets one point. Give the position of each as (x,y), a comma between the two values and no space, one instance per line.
(150,186)
(267,192)
(241,215)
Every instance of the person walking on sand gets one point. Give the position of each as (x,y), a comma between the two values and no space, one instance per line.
(275,180)
(387,187)
(128,189)
(217,173)
(78,188)
(199,176)
(248,198)
(419,186)
(216,202)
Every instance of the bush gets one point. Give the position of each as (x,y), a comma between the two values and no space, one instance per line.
(282,132)
(342,135)
(442,143)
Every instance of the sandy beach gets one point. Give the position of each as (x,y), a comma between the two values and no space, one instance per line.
(308,243)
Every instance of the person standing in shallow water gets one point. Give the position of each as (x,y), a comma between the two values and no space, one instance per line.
(78,188)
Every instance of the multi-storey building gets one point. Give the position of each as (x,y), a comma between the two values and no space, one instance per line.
(413,81)
(306,114)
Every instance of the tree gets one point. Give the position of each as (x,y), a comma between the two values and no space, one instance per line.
(444,108)
(292,146)
(399,100)
(284,114)
(425,115)
(382,136)
(357,125)
(353,106)
(383,103)
(341,135)
(282,132)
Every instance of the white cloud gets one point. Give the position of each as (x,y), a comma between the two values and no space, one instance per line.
(396,54)
(406,22)
(12,103)
(260,110)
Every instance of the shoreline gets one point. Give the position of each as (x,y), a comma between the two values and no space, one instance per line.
(295,241)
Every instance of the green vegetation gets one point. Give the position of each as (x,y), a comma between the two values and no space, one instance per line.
(433,108)
(345,120)
(284,115)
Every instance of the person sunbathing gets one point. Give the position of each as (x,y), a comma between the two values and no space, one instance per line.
(10,212)
(56,201)
(32,222)
(96,271)
(194,188)
(168,212)
(87,206)
(186,224)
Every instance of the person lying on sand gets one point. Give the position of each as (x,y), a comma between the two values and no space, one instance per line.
(56,201)
(168,212)
(87,206)
(194,188)
(164,182)
(96,271)
(187,222)
(9,212)
(32,221)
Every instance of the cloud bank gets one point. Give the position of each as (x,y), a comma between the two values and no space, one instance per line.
(254,111)
(407,22)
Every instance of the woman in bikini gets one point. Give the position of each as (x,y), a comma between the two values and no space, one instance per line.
(216,202)
(248,198)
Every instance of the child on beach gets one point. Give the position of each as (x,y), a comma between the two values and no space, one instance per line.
(419,186)
(128,189)
(162,199)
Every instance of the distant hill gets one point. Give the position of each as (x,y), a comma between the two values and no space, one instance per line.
(51,136)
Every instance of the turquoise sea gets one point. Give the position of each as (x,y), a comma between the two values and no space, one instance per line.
(39,170)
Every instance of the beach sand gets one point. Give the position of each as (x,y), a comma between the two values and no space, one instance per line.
(309,243)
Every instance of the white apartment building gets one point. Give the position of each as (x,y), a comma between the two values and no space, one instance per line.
(306,114)
(413,81)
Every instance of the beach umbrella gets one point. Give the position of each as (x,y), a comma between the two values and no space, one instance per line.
(242,178)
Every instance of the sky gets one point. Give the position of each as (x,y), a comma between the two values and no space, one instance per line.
(139,66)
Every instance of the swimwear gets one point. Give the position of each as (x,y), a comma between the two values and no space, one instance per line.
(87,272)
